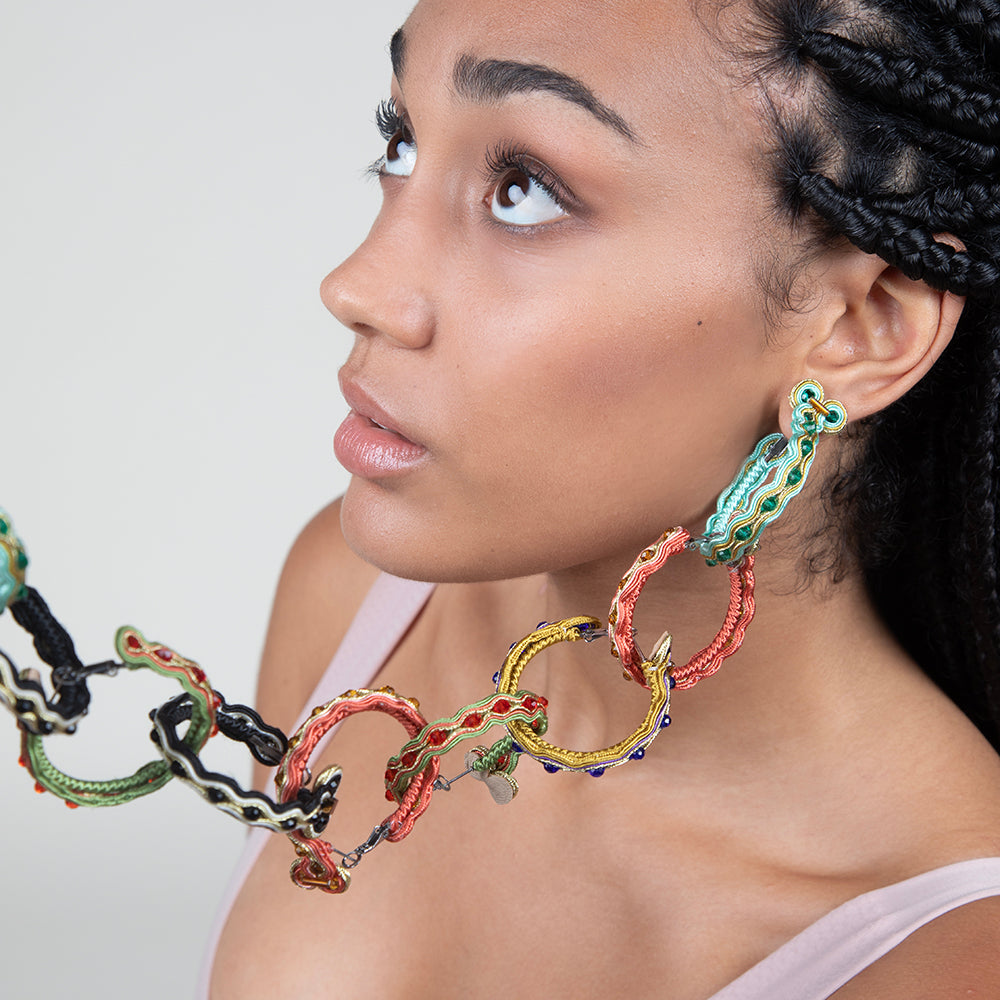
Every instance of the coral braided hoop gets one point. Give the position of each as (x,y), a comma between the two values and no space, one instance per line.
(316,867)
(727,641)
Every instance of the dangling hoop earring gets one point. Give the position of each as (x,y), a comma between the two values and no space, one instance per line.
(770,477)
(774,473)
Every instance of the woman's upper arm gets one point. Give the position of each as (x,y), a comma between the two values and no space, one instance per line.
(955,957)
(321,588)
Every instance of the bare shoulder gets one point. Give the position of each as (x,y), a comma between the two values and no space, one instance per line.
(321,588)
(955,956)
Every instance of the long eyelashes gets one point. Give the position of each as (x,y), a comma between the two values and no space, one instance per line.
(505,163)
(505,157)
(390,124)
(388,120)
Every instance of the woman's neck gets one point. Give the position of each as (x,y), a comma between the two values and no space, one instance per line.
(810,643)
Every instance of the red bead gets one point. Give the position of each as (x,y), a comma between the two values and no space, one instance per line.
(409,758)
(38,787)
(390,775)
(22,761)
(165,654)
(199,675)
(503,762)
(72,805)
(502,706)
(530,704)
(437,737)
(133,643)
(473,720)
(389,796)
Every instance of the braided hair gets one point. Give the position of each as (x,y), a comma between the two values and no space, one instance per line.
(886,124)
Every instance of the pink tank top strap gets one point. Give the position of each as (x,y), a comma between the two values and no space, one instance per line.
(386,614)
(389,609)
(830,952)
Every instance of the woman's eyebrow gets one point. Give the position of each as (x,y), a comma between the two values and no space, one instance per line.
(494,79)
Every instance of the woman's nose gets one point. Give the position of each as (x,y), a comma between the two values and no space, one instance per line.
(380,290)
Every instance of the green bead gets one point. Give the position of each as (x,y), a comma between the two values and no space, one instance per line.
(4,527)
(794,477)
(725,555)
(833,416)
(711,562)
(770,504)
(744,534)
(807,447)
(22,560)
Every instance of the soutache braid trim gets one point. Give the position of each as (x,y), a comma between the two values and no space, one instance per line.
(901,82)
(52,642)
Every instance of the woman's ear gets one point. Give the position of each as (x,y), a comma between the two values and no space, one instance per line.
(877,335)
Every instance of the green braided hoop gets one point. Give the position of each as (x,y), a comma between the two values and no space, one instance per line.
(438,738)
(771,476)
(136,653)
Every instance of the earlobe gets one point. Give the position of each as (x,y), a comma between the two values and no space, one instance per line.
(889,333)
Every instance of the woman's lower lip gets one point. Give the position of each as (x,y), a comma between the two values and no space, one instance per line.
(370,451)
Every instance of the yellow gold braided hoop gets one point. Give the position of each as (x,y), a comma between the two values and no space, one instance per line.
(656,672)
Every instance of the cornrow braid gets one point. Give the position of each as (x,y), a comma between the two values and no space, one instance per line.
(887,133)
(956,151)
(905,242)
(950,207)
(968,25)
(901,81)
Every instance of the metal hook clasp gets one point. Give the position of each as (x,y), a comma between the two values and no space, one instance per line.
(353,859)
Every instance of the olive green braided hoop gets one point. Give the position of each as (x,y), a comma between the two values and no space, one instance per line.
(136,653)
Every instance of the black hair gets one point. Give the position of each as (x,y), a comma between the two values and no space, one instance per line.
(886,126)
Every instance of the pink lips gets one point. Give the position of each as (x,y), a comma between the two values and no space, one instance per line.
(367,444)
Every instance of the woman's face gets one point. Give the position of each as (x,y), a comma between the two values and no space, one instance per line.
(557,305)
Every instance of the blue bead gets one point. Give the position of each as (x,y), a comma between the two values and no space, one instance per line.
(541,624)
(552,768)
(638,754)
(596,772)
(665,722)
(673,683)
(516,748)
(496,677)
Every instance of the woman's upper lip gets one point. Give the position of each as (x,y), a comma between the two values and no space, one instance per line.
(363,404)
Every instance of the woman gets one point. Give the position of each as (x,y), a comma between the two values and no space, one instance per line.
(613,240)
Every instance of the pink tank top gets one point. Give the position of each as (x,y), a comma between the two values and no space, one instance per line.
(811,966)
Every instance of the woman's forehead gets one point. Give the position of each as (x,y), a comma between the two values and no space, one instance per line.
(635,57)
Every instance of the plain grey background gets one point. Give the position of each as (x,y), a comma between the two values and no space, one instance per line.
(175,181)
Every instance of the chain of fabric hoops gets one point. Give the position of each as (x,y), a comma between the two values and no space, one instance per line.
(770,477)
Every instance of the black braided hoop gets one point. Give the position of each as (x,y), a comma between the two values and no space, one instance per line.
(310,813)
(39,714)
(35,711)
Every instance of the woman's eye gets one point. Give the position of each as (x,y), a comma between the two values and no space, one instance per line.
(400,155)
(520,200)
